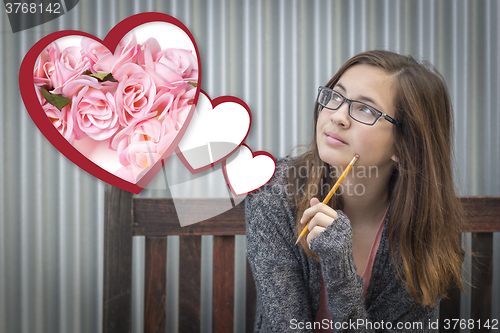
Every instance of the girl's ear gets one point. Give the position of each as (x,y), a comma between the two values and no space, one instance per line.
(395,158)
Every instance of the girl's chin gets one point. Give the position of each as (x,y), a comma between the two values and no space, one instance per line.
(336,158)
(336,162)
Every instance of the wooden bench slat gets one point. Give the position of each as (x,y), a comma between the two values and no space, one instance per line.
(155,286)
(482,278)
(482,213)
(189,283)
(117,288)
(449,308)
(158,217)
(223,284)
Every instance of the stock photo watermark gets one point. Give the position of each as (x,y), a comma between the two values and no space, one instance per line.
(355,185)
(31,13)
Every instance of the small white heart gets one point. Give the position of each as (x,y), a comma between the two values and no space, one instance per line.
(216,130)
(246,171)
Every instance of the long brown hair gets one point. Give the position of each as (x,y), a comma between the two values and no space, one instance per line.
(426,218)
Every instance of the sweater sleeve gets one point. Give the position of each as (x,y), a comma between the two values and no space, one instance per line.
(390,312)
(282,296)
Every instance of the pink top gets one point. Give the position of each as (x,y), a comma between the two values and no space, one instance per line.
(323,312)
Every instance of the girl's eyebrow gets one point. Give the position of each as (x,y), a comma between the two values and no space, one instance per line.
(340,86)
(361,98)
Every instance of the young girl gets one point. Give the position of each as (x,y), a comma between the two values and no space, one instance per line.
(382,253)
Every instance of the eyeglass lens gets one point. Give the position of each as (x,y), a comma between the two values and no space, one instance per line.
(359,111)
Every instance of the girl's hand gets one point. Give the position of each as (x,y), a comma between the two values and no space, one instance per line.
(322,216)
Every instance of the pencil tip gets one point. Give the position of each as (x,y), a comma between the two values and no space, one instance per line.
(298,240)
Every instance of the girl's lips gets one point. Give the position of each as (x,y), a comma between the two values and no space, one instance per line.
(333,140)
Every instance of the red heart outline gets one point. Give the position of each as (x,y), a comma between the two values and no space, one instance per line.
(30,99)
(215,102)
(254,154)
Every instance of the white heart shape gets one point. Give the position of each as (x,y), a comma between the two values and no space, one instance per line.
(246,171)
(216,131)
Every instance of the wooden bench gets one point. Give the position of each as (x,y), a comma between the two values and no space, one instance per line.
(156,219)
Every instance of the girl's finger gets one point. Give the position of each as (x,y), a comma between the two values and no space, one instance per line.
(314,201)
(320,220)
(320,207)
(313,233)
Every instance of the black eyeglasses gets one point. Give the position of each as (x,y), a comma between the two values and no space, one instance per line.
(359,111)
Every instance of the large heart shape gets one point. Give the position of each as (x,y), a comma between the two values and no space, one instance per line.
(120,130)
(216,130)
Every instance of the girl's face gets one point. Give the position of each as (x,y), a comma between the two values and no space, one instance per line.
(374,144)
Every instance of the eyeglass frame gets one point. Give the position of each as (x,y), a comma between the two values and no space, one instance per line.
(380,114)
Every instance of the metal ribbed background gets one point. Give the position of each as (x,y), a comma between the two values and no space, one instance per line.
(271,54)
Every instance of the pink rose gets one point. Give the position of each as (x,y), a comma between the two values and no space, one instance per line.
(177,62)
(148,52)
(163,76)
(140,146)
(48,56)
(163,102)
(121,140)
(180,61)
(143,150)
(182,104)
(126,52)
(60,67)
(147,130)
(174,103)
(135,93)
(143,144)
(140,155)
(185,95)
(182,114)
(94,51)
(170,131)
(62,120)
(38,91)
(128,173)
(168,67)
(93,108)
(73,88)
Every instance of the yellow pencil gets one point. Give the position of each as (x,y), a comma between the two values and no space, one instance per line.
(332,191)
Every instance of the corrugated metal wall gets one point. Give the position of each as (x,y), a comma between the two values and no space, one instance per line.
(271,54)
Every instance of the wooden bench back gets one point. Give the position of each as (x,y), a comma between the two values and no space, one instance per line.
(156,219)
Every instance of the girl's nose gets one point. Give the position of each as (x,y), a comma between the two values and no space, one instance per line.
(341,116)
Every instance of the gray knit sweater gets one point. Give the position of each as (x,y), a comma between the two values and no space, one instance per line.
(288,282)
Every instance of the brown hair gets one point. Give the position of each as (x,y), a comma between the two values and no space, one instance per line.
(426,218)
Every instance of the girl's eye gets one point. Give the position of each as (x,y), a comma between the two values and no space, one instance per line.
(336,98)
(367,111)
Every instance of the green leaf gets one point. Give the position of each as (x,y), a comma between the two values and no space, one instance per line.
(99,76)
(194,84)
(104,77)
(57,100)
